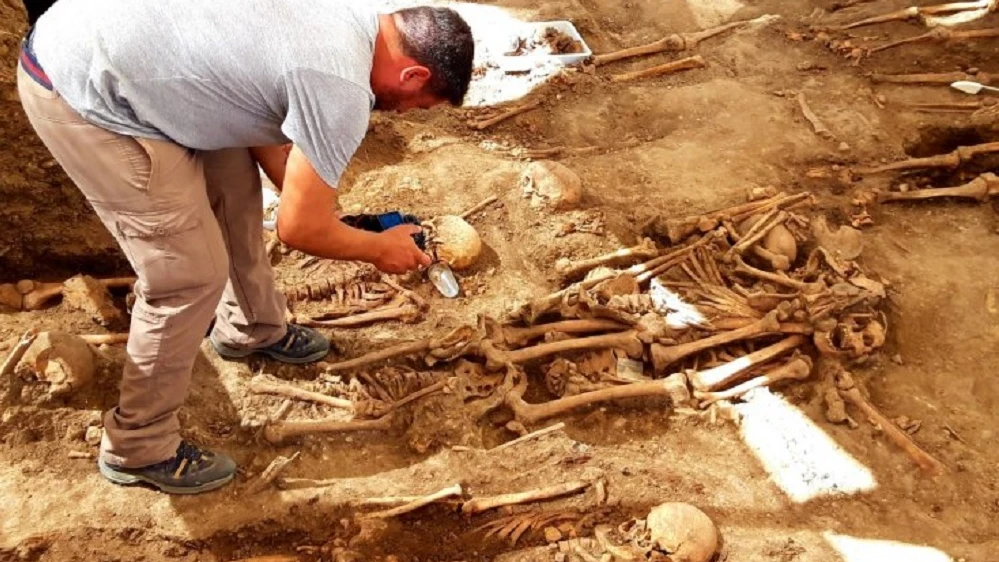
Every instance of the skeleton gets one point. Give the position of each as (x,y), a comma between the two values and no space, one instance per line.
(352,295)
(817,125)
(677,42)
(503,115)
(478,505)
(688,63)
(950,160)
(35,295)
(979,189)
(941,14)
(851,393)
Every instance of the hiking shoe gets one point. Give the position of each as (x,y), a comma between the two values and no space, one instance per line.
(191,471)
(299,345)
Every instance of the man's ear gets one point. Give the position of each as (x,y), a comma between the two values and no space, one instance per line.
(414,78)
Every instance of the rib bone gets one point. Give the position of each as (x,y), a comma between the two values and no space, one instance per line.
(663,356)
(720,376)
(796,369)
(478,505)
(679,229)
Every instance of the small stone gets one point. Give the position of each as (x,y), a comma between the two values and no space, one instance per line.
(93,435)
(896,359)
(903,187)
(552,534)
(844,147)
(972,70)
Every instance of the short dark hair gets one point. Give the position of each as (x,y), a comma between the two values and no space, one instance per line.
(441,40)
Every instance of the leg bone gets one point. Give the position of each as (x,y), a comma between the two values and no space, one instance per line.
(260,385)
(719,377)
(797,369)
(479,505)
(979,189)
(664,356)
(688,63)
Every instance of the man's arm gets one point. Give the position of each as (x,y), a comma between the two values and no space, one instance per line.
(307,221)
(273,160)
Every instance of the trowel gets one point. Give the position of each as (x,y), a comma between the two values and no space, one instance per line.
(442,278)
(972,88)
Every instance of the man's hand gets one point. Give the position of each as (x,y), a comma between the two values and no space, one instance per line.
(307,221)
(398,252)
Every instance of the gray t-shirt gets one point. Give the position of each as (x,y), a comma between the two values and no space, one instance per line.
(211,74)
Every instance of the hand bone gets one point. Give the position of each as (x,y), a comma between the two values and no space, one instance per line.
(663,356)
(798,368)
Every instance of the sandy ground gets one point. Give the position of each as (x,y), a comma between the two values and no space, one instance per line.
(784,486)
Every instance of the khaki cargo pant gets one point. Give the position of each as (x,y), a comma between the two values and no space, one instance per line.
(190,224)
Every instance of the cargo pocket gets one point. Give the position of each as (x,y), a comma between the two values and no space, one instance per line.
(172,251)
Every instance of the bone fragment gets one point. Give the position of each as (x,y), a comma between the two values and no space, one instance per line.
(688,63)
(271,473)
(946,107)
(530,436)
(940,34)
(777,262)
(664,356)
(627,341)
(482,205)
(943,78)
(723,324)
(105,339)
(644,251)
(718,377)
(281,431)
(813,119)
(759,231)
(481,124)
(260,385)
(448,492)
(927,462)
(796,369)
(677,42)
(479,505)
(38,294)
(979,189)
(15,355)
(673,387)
(746,269)
(411,295)
(679,229)
(950,160)
(401,350)
(404,312)
(516,337)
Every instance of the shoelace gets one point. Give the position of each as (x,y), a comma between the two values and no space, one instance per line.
(187,454)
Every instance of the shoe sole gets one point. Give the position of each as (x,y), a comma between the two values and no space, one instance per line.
(132,480)
(230,353)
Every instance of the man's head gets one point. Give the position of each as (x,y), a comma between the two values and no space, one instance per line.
(423,57)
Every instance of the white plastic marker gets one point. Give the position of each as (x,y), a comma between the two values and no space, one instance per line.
(971,87)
